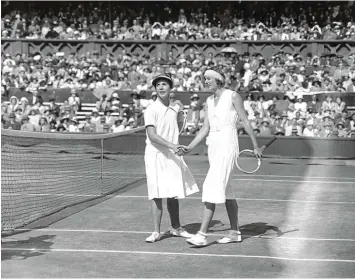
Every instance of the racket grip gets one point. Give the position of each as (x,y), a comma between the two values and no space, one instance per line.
(268,143)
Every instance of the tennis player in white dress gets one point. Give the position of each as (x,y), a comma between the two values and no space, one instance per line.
(168,176)
(222,111)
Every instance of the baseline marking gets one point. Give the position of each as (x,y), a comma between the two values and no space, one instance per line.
(263,236)
(118,176)
(174,254)
(246,199)
(189,198)
(240,175)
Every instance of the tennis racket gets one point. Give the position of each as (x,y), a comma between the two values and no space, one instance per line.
(182,120)
(248,162)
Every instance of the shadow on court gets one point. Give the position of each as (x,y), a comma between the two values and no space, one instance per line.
(38,242)
(194,227)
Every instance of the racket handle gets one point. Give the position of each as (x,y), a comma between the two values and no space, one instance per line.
(268,143)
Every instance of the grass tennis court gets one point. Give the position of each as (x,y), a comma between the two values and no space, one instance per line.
(296,216)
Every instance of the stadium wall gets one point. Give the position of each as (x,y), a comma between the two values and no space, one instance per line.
(157,48)
(133,142)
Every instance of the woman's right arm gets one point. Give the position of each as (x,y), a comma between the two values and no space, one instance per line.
(202,133)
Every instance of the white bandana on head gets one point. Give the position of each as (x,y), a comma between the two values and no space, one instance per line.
(214,74)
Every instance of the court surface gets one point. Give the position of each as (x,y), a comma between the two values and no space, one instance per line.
(296,217)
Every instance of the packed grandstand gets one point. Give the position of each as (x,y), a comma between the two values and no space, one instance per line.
(291,91)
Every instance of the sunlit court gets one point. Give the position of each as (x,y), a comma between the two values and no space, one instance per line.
(296,216)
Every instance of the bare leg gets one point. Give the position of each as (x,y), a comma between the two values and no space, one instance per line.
(207,216)
(173,209)
(232,210)
(157,212)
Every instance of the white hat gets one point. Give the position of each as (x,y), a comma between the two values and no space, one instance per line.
(115,95)
(302,69)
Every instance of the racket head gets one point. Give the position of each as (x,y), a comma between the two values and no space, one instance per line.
(181,120)
(247,161)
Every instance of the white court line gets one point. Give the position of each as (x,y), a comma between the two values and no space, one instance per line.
(295,181)
(189,198)
(118,176)
(174,254)
(263,236)
(246,199)
(241,175)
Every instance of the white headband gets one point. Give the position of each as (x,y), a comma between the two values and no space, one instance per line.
(214,74)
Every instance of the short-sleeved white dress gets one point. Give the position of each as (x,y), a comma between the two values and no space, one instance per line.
(223,147)
(168,176)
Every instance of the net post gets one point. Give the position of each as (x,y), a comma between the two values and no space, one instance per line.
(101,165)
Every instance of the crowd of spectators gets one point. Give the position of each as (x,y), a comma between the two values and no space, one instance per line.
(36,116)
(283,72)
(126,71)
(235,20)
(296,74)
(289,116)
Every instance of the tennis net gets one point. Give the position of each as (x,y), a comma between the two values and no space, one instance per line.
(43,173)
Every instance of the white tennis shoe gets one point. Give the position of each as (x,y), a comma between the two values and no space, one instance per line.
(180,232)
(235,236)
(198,239)
(155,236)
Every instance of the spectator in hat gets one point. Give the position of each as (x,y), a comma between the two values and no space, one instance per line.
(129,111)
(339,105)
(265,129)
(18,114)
(309,129)
(24,105)
(301,105)
(131,124)
(34,116)
(103,104)
(14,104)
(118,126)
(109,119)
(315,104)
(138,118)
(73,126)
(54,107)
(26,125)
(96,119)
(65,122)
(88,126)
(341,130)
(61,128)
(74,100)
(328,104)
(43,125)
(326,131)
(277,128)
(12,124)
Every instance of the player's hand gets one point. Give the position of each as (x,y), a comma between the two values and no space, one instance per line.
(181,150)
(258,152)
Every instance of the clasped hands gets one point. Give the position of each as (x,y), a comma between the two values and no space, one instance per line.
(180,149)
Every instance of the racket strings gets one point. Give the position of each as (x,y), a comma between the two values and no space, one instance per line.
(247,162)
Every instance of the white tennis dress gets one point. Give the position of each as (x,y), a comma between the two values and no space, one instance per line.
(168,176)
(223,146)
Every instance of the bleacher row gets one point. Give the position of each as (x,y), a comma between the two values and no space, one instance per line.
(88,108)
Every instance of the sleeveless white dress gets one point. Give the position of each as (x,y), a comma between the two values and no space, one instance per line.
(223,146)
